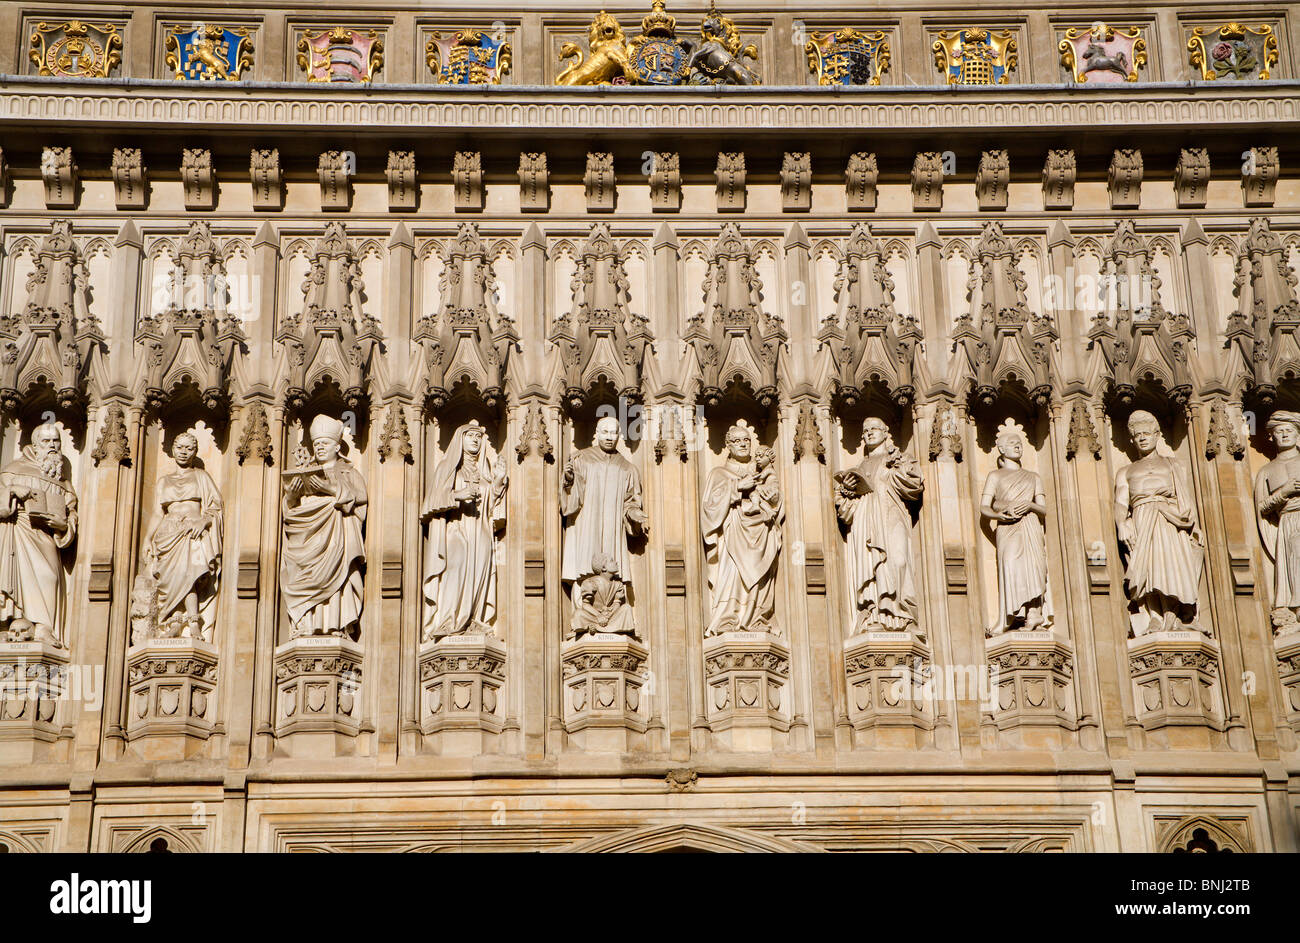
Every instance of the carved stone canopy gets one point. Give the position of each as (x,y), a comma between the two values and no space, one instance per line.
(866,341)
(1144,344)
(601,342)
(1008,350)
(192,342)
(330,341)
(55,341)
(1264,332)
(468,341)
(736,343)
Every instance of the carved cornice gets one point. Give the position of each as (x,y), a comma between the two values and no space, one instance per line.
(150,105)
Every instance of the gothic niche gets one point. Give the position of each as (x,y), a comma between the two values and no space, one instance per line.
(1262,334)
(866,347)
(736,344)
(467,343)
(1137,343)
(52,348)
(190,346)
(601,343)
(331,343)
(1004,349)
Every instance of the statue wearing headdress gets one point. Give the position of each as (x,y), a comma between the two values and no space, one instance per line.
(323,557)
(1156,519)
(1277,502)
(465,507)
(1013,498)
(740,517)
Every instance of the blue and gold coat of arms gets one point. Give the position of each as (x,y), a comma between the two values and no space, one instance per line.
(657,56)
(209,53)
(848,57)
(467,57)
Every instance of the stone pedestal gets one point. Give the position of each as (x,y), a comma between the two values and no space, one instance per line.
(170,706)
(34,677)
(603,709)
(747,674)
(1175,689)
(1028,689)
(1288,666)
(317,692)
(461,677)
(891,692)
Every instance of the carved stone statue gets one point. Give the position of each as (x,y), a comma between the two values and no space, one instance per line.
(465,507)
(177,583)
(601,502)
(1013,498)
(718,57)
(601,603)
(1277,501)
(323,556)
(740,519)
(38,520)
(1156,519)
(871,502)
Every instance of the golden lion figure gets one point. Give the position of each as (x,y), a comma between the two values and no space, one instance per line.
(607,55)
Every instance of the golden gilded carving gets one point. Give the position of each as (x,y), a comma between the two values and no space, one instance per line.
(76,49)
(976,56)
(1103,53)
(1237,51)
(607,54)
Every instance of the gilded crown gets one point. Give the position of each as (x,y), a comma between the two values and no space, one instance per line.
(658,20)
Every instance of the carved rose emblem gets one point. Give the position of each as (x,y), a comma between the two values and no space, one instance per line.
(1221,51)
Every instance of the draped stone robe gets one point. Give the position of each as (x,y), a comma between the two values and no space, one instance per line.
(742,533)
(606,486)
(1279,528)
(323,554)
(880,542)
(460,577)
(31,566)
(1165,554)
(1021,545)
(184,564)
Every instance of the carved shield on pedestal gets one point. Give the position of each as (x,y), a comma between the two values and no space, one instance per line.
(435,698)
(1180,691)
(747,692)
(169,699)
(489,699)
(461,694)
(15,709)
(1007,695)
(1151,695)
(288,701)
(1294,691)
(315,698)
(633,698)
(774,695)
(891,692)
(604,694)
(140,703)
(720,699)
(578,696)
(1035,692)
(862,695)
(198,703)
(346,702)
(45,709)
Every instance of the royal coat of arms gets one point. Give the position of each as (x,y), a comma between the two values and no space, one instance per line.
(976,56)
(209,53)
(1242,52)
(1102,54)
(657,56)
(340,54)
(467,57)
(848,57)
(76,50)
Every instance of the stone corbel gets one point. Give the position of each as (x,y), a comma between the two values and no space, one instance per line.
(198,179)
(598,183)
(336,170)
(796,182)
(268,183)
(1259,172)
(666,182)
(130,190)
(59,174)
(1058,180)
(730,176)
(534,180)
(860,178)
(992,180)
(1192,178)
(1125,179)
(467,181)
(403,191)
(927,181)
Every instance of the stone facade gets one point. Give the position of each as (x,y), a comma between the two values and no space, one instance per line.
(888,447)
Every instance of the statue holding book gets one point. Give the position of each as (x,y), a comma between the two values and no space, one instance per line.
(323,559)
